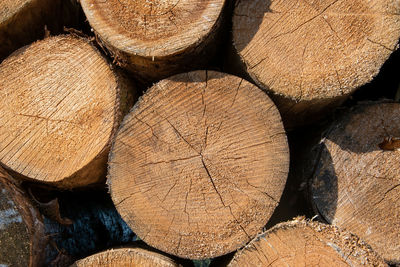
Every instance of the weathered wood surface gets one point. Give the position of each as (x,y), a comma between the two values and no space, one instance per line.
(22,232)
(356,179)
(60,104)
(311,55)
(155,39)
(25,21)
(128,257)
(207,153)
(306,243)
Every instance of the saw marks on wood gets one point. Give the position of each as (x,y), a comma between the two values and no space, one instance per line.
(156,39)
(58,105)
(356,184)
(153,28)
(199,164)
(314,50)
(305,243)
(128,257)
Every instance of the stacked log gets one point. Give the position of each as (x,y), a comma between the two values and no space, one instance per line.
(356,183)
(128,257)
(24,21)
(207,153)
(306,243)
(22,232)
(156,39)
(312,55)
(61,104)
(198,167)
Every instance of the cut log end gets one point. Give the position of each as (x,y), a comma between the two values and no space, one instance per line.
(199,164)
(356,184)
(128,257)
(60,107)
(154,38)
(314,51)
(306,243)
(22,233)
(159,29)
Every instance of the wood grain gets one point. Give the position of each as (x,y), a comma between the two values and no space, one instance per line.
(155,39)
(313,54)
(60,105)
(199,164)
(356,183)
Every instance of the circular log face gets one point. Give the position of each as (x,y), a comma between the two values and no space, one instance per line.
(152,28)
(128,257)
(199,164)
(315,49)
(57,105)
(357,184)
(302,243)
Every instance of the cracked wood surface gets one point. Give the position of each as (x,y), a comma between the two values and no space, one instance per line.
(156,39)
(22,233)
(199,164)
(306,243)
(128,257)
(60,104)
(313,54)
(356,184)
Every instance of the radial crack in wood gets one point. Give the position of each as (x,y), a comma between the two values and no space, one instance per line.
(356,184)
(155,39)
(232,167)
(60,104)
(313,54)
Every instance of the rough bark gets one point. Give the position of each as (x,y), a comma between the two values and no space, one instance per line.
(156,39)
(208,154)
(306,243)
(128,257)
(22,233)
(93,225)
(60,104)
(312,55)
(24,21)
(356,184)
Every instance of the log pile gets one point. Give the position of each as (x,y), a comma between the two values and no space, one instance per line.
(178,132)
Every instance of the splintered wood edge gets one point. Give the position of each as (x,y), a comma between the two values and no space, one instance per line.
(88,173)
(264,115)
(118,38)
(345,244)
(126,257)
(369,39)
(365,206)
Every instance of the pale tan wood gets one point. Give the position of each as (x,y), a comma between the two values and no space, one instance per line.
(199,164)
(356,184)
(155,39)
(306,243)
(23,21)
(60,104)
(128,257)
(22,232)
(311,55)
